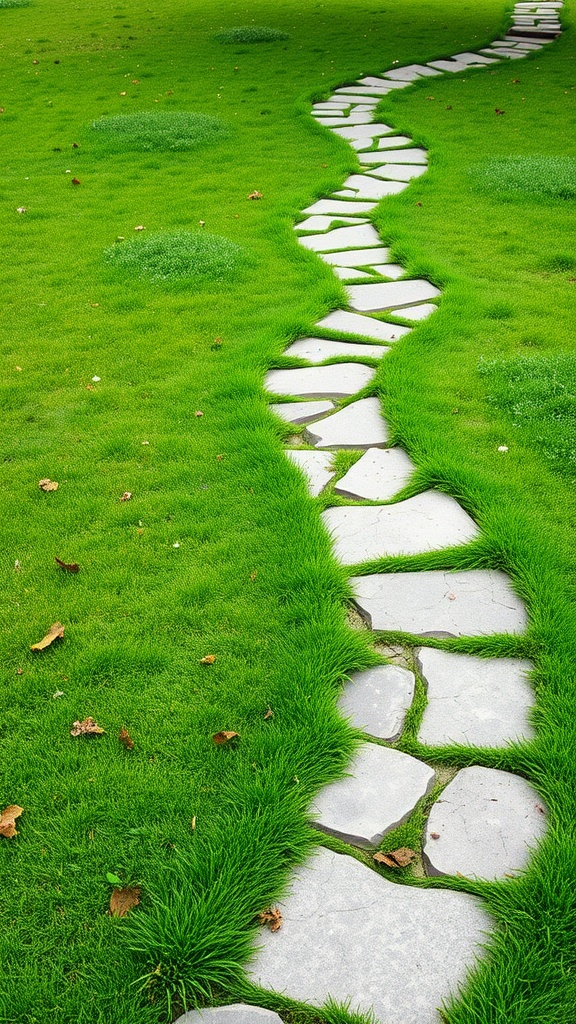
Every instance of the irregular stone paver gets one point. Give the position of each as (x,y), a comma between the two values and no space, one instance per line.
(472,602)
(487,822)
(301,412)
(407,156)
(350,934)
(377,700)
(411,72)
(369,99)
(342,238)
(391,270)
(359,425)
(364,326)
(501,51)
(377,476)
(398,172)
(235,1013)
(338,206)
(479,702)
(315,466)
(337,381)
(351,274)
(356,257)
(372,297)
(316,350)
(427,522)
(323,223)
(365,90)
(394,141)
(373,188)
(341,122)
(382,791)
(365,131)
(415,312)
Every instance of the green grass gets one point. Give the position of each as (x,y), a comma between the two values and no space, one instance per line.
(253,580)
(190,256)
(250,34)
(151,130)
(14,3)
(527,177)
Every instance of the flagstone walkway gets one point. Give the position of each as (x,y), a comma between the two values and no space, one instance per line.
(349,933)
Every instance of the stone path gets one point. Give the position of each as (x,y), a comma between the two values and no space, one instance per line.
(348,932)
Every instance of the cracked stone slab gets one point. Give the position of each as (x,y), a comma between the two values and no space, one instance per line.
(398,172)
(358,425)
(382,790)
(369,100)
(411,73)
(471,602)
(391,270)
(301,412)
(365,90)
(377,476)
(377,700)
(350,934)
(337,381)
(315,466)
(428,522)
(343,122)
(235,1013)
(365,131)
(487,822)
(339,206)
(342,238)
(407,156)
(503,52)
(478,702)
(323,223)
(450,65)
(373,188)
(415,312)
(356,257)
(351,274)
(364,326)
(316,350)
(372,297)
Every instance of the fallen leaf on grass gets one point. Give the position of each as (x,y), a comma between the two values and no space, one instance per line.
(208,659)
(399,858)
(125,739)
(272,918)
(224,737)
(253,575)
(198,412)
(21,209)
(123,900)
(87,727)
(126,496)
(56,632)
(46,484)
(255,195)
(216,344)
(7,818)
(68,566)
(76,181)
(269,714)
(498,111)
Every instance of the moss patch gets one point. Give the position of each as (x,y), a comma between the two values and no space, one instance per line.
(250,34)
(159,130)
(177,256)
(527,177)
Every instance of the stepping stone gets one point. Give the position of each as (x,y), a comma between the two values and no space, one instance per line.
(372,188)
(351,274)
(342,122)
(415,312)
(235,1013)
(364,326)
(391,270)
(338,381)
(365,131)
(342,238)
(358,425)
(398,172)
(357,258)
(411,73)
(529,46)
(450,65)
(315,466)
(487,822)
(472,602)
(337,206)
(322,223)
(372,297)
(427,522)
(394,141)
(382,790)
(502,52)
(391,950)
(369,101)
(301,412)
(316,350)
(377,476)
(478,702)
(377,700)
(385,82)
(407,156)
(364,90)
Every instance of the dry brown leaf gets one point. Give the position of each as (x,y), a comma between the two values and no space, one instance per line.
(68,566)
(123,900)
(255,195)
(76,181)
(498,111)
(126,496)
(399,858)
(125,738)
(434,835)
(217,343)
(198,413)
(272,918)
(7,818)
(253,575)
(269,714)
(56,632)
(224,736)
(87,727)
(47,485)
(208,659)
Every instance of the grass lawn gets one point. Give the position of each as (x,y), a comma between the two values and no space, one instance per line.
(114,341)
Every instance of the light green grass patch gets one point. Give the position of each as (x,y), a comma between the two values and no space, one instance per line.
(532,177)
(177,256)
(14,3)
(149,130)
(250,34)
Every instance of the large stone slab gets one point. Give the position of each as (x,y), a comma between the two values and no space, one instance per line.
(377,476)
(358,425)
(487,822)
(351,274)
(363,326)
(377,700)
(407,156)
(427,522)
(382,790)
(365,131)
(342,238)
(394,142)
(415,312)
(316,350)
(352,935)
(479,702)
(370,99)
(301,412)
(372,297)
(364,90)
(372,188)
(502,51)
(235,1013)
(398,172)
(383,82)
(391,270)
(315,466)
(337,381)
(472,602)
(340,206)
(411,72)
(323,223)
(342,122)
(356,257)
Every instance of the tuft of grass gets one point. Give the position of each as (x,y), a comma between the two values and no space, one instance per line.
(526,177)
(149,130)
(250,34)
(177,256)
(14,3)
